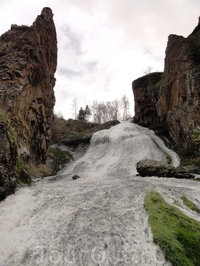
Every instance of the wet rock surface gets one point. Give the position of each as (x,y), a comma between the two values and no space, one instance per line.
(156,168)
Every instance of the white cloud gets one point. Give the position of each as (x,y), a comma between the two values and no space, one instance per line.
(104,45)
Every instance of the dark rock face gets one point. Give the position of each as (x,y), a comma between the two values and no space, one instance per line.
(27,66)
(146,93)
(156,168)
(176,106)
(8,155)
(28,60)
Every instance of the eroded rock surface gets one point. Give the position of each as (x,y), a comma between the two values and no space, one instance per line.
(28,60)
(171,104)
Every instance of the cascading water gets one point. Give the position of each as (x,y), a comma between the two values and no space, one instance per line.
(116,151)
(98,219)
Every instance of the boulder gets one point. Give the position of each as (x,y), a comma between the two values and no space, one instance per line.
(156,168)
(74,177)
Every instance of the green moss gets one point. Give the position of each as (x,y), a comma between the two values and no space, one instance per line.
(59,158)
(196,137)
(3,117)
(177,235)
(11,133)
(191,160)
(156,88)
(19,167)
(12,136)
(21,171)
(168,159)
(190,204)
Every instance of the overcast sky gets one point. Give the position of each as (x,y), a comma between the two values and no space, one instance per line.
(103,45)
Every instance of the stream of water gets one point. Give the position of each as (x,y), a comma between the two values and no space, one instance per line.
(99,218)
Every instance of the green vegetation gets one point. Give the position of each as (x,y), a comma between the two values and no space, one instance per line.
(3,116)
(196,137)
(11,133)
(177,235)
(59,158)
(19,167)
(84,114)
(190,204)
(72,130)
(21,170)
(156,88)
(168,159)
(191,160)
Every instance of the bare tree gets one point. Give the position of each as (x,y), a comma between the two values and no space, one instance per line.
(103,112)
(148,70)
(125,106)
(96,111)
(116,106)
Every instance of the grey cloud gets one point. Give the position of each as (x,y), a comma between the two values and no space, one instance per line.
(69,72)
(91,65)
(75,41)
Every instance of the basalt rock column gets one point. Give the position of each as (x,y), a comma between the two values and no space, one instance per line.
(28,60)
(173,103)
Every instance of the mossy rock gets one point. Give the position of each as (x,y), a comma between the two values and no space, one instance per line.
(59,158)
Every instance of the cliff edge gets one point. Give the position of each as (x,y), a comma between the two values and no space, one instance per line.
(28,61)
(170,101)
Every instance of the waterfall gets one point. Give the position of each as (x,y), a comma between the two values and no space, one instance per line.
(98,219)
(117,150)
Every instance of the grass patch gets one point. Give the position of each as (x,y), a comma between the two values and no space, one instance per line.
(190,204)
(177,235)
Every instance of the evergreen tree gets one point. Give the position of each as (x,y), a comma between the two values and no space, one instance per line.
(81,115)
(87,112)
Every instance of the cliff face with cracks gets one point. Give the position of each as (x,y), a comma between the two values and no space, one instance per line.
(28,60)
(171,101)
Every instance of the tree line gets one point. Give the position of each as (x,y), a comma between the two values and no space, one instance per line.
(101,112)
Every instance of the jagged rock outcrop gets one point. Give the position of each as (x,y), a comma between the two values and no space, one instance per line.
(175,107)
(28,60)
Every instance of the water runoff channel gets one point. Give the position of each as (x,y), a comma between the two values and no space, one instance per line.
(98,219)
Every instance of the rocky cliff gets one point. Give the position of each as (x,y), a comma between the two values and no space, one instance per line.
(28,60)
(171,101)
